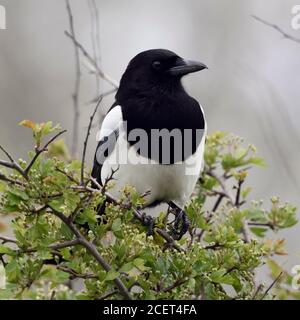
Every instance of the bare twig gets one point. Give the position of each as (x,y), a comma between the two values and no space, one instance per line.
(109,179)
(53,295)
(103,95)
(260,224)
(238,193)
(75,274)
(75,95)
(221,182)
(103,75)
(95,38)
(278,29)
(7,239)
(87,139)
(217,203)
(272,285)
(65,244)
(246,231)
(12,164)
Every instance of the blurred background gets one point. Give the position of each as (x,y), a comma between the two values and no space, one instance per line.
(251,87)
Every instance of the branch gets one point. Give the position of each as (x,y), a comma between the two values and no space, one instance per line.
(91,60)
(65,244)
(95,37)
(103,95)
(39,151)
(77,83)
(138,215)
(278,29)
(92,250)
(7,239)
(87,139)
(12,164)
(108,294)
(272,285)
(261,224)
(6,179)
(221,182)
(75,274)
(176,284)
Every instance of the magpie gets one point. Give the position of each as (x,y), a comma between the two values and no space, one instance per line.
(153,136)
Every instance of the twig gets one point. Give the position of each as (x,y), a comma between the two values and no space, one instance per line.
(72,179)
(53,295)
(109,179)
(75,95)
(7,154)
(218,202)
(87,139)
(258,289)
(278,29)
(238,193)
(95,37)
(92,249)
(6,179)
(138,215)
(176,284)
(246,231)
(39,151)
(103,95)
(260,224)
(108,294)
(7,239)
(272,285)
(221,182)
(65,244)
(75,274)
(12,164)
(91,60)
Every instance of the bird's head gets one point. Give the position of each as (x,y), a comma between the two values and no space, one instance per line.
(156,69)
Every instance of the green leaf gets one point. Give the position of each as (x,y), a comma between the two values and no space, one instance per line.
(6,250)
(260,232)
(112,275)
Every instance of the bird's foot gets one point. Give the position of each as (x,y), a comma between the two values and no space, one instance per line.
(181,223)
(149,222)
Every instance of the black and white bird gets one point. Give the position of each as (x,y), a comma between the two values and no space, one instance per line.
(153,136)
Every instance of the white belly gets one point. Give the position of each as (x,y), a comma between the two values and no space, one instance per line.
(165,182)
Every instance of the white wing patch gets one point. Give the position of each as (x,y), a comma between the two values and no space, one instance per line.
(111,123)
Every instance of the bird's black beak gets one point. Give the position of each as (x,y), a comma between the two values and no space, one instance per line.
(184,67)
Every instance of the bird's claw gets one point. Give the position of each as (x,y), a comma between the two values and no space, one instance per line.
(149,222)
(181,224)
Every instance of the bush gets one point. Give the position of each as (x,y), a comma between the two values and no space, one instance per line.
(59,235)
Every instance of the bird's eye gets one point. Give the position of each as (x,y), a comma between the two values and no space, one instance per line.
(156,65)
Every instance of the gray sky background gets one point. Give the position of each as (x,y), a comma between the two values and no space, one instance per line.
(251,88)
